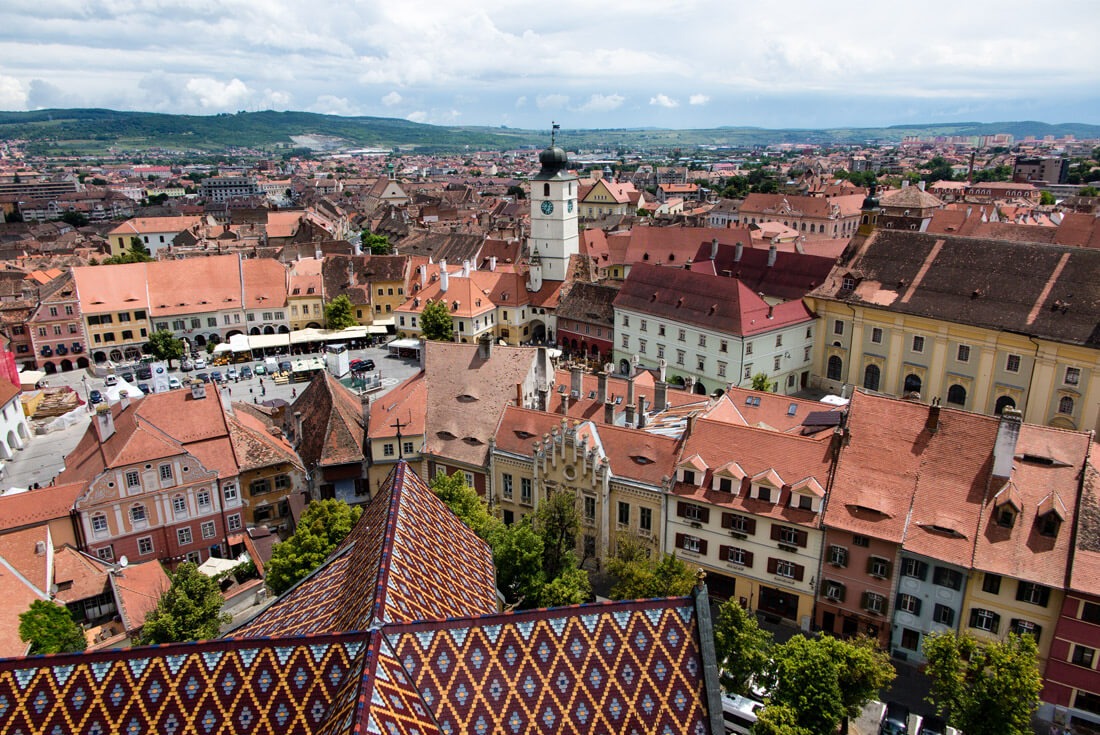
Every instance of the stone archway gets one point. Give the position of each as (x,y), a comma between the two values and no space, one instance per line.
(132,353)
(82,363)
(5,447)
(116,355)
(700,389)
(49,368)
(255,331)
(66,365)
(283,329)
(100,356)
(269,330)
(200,341)
(624,366)
(538,331)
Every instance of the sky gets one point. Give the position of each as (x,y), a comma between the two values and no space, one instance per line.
(517,63)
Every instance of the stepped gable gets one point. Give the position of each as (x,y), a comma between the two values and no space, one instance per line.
(613,667)
(381,571)
(1046,291)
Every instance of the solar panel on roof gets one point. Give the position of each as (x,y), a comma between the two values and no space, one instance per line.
(822,418)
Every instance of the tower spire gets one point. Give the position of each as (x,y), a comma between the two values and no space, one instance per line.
(554,128)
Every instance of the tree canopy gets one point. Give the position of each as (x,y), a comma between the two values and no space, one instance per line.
(557,521)
(164,345)
(742,647)
(375,244)
(339,313)
(189,611)
(435,322)
(638,577)
(465,503)
(322,527)
(984,688)
(49,628)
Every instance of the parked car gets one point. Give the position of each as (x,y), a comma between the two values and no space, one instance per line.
(230,373)
(246,372)
(200,364)
(145,373)
(933,726)
(174,382)
(204,377)
(896,720)
(368,364)
(95,397)
(110,380)
(261,370)
(285,366)
(187,366)
(127,376)
(145,389)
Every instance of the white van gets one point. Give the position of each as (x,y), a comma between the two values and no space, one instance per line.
(110,379)
(739,713)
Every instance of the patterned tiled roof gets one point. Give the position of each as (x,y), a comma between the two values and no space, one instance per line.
(638,666)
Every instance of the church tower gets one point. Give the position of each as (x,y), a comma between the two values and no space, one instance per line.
(868,217)
(554,235)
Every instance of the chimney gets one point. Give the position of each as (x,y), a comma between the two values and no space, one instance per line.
(601,387)
(423,276)
(198,390)
(544,398)
(737,252)
(932,423)
(1004,450)
(492,263)
(641,412)
(575,381)
(630,415)
(465,268)
(485,346)
(123,400)
(661,365)
(714,248)
(660,395)
(771,311)
(565,403)
(104,422)
(423,354)
(922,184)
(608,412)
(443,277)
(630,390)
(297,426)
(905,184)
(772,250)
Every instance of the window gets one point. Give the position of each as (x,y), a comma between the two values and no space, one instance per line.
(195,557)
(910,639)
(878,567)
(133,479)
(387,449)
(748,371)
(1012,364)
(106,553)
(838,556)
(748,348)
(259,486)
(233,522)
(1025,627)
(660,330)
(788,535)
(739,523)
(702,340)
(1073,376)
(1065,405)
(680,357)
(945,577)
(918,343)
(626,341)
(641,346)
(137,515)
(99,525)
(806,353)
(721,369)
(208,529)
(230,493)
(626,320)
(784,569)
(145,545)
(963,353)
(203,498)
(682,335)
(282,482)
(873,602)
(986,620)
(723,346)
(525,490)
(838,327)
(624,514)
(991,583)
(691,543)
(179,506)
(871,377)
(506,486)
(1090,613)
(956,395)
(643,325)
(1087,701)
(183,536)
(469,478)
(1036,594)
(914,568)
(262,513)
(943,615)
(700,361)
(1083,656)
(166,472)
(909,604)
(834,368)
(834,591)
(660,351)
(735,555)
(861,541)
(645,519)
(847,283)
(589,508)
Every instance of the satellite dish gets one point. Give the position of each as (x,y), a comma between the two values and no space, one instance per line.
(123,561)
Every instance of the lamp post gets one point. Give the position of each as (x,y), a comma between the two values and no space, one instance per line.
(87,395)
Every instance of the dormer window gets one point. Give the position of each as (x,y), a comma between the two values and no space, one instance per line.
(1006,506)
(763,492)
(687,476)
(1049,525)
(1006,516)
(1049,515)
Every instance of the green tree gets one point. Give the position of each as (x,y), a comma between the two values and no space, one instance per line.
(435,322)
(760,382)
(76,219)
(741,646)
(322,527)
(137,253)
(826,680)
(164,345)
(571,587)
(515,190)
(1046,198)
(465,503)
(190,610)
(1088,191)
(558,522)
(638,577)
(778,719)
(984,688)
(339,313)
(939,169)
(517,555)
(375,244)
(49,628)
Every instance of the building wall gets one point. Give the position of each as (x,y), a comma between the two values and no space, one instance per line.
(1003,603)
(934,584)
(1072,677)
(117,335)
(849,615)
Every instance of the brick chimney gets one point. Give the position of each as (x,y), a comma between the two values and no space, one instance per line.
(660,395)
(601,387)
(608,412)
(575,381)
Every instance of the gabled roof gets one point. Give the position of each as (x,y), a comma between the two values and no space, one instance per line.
(38,506)
(333,428)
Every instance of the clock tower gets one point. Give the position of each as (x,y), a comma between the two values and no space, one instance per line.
(554,234)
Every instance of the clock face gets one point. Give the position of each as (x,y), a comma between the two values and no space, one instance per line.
(569,206)
(547,207)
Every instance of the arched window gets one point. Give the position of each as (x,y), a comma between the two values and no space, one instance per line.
(1065,405)
(1002,403)
(834,368)
(871,377)
(912,383)
(956,395)
(546,190)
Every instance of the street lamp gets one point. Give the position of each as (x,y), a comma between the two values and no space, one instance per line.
(87,395)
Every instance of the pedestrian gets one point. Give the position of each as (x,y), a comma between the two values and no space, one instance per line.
(293,392)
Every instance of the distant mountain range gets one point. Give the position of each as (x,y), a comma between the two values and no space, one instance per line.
(95,131)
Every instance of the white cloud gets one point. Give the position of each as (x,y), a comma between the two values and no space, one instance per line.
(417,117)
(698,99)
(214,95)
(521,101)
(663,100)
(602,103)
(551,101)
(328,104)
(12,94)
(392,99)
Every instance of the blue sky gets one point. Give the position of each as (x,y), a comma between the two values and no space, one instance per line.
(685,64)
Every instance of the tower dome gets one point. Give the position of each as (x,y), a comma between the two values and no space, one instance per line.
(553,159)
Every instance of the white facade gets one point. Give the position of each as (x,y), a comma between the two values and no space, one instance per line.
(14,432)
(554,236)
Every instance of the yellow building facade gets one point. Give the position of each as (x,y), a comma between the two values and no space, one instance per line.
(995,606)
